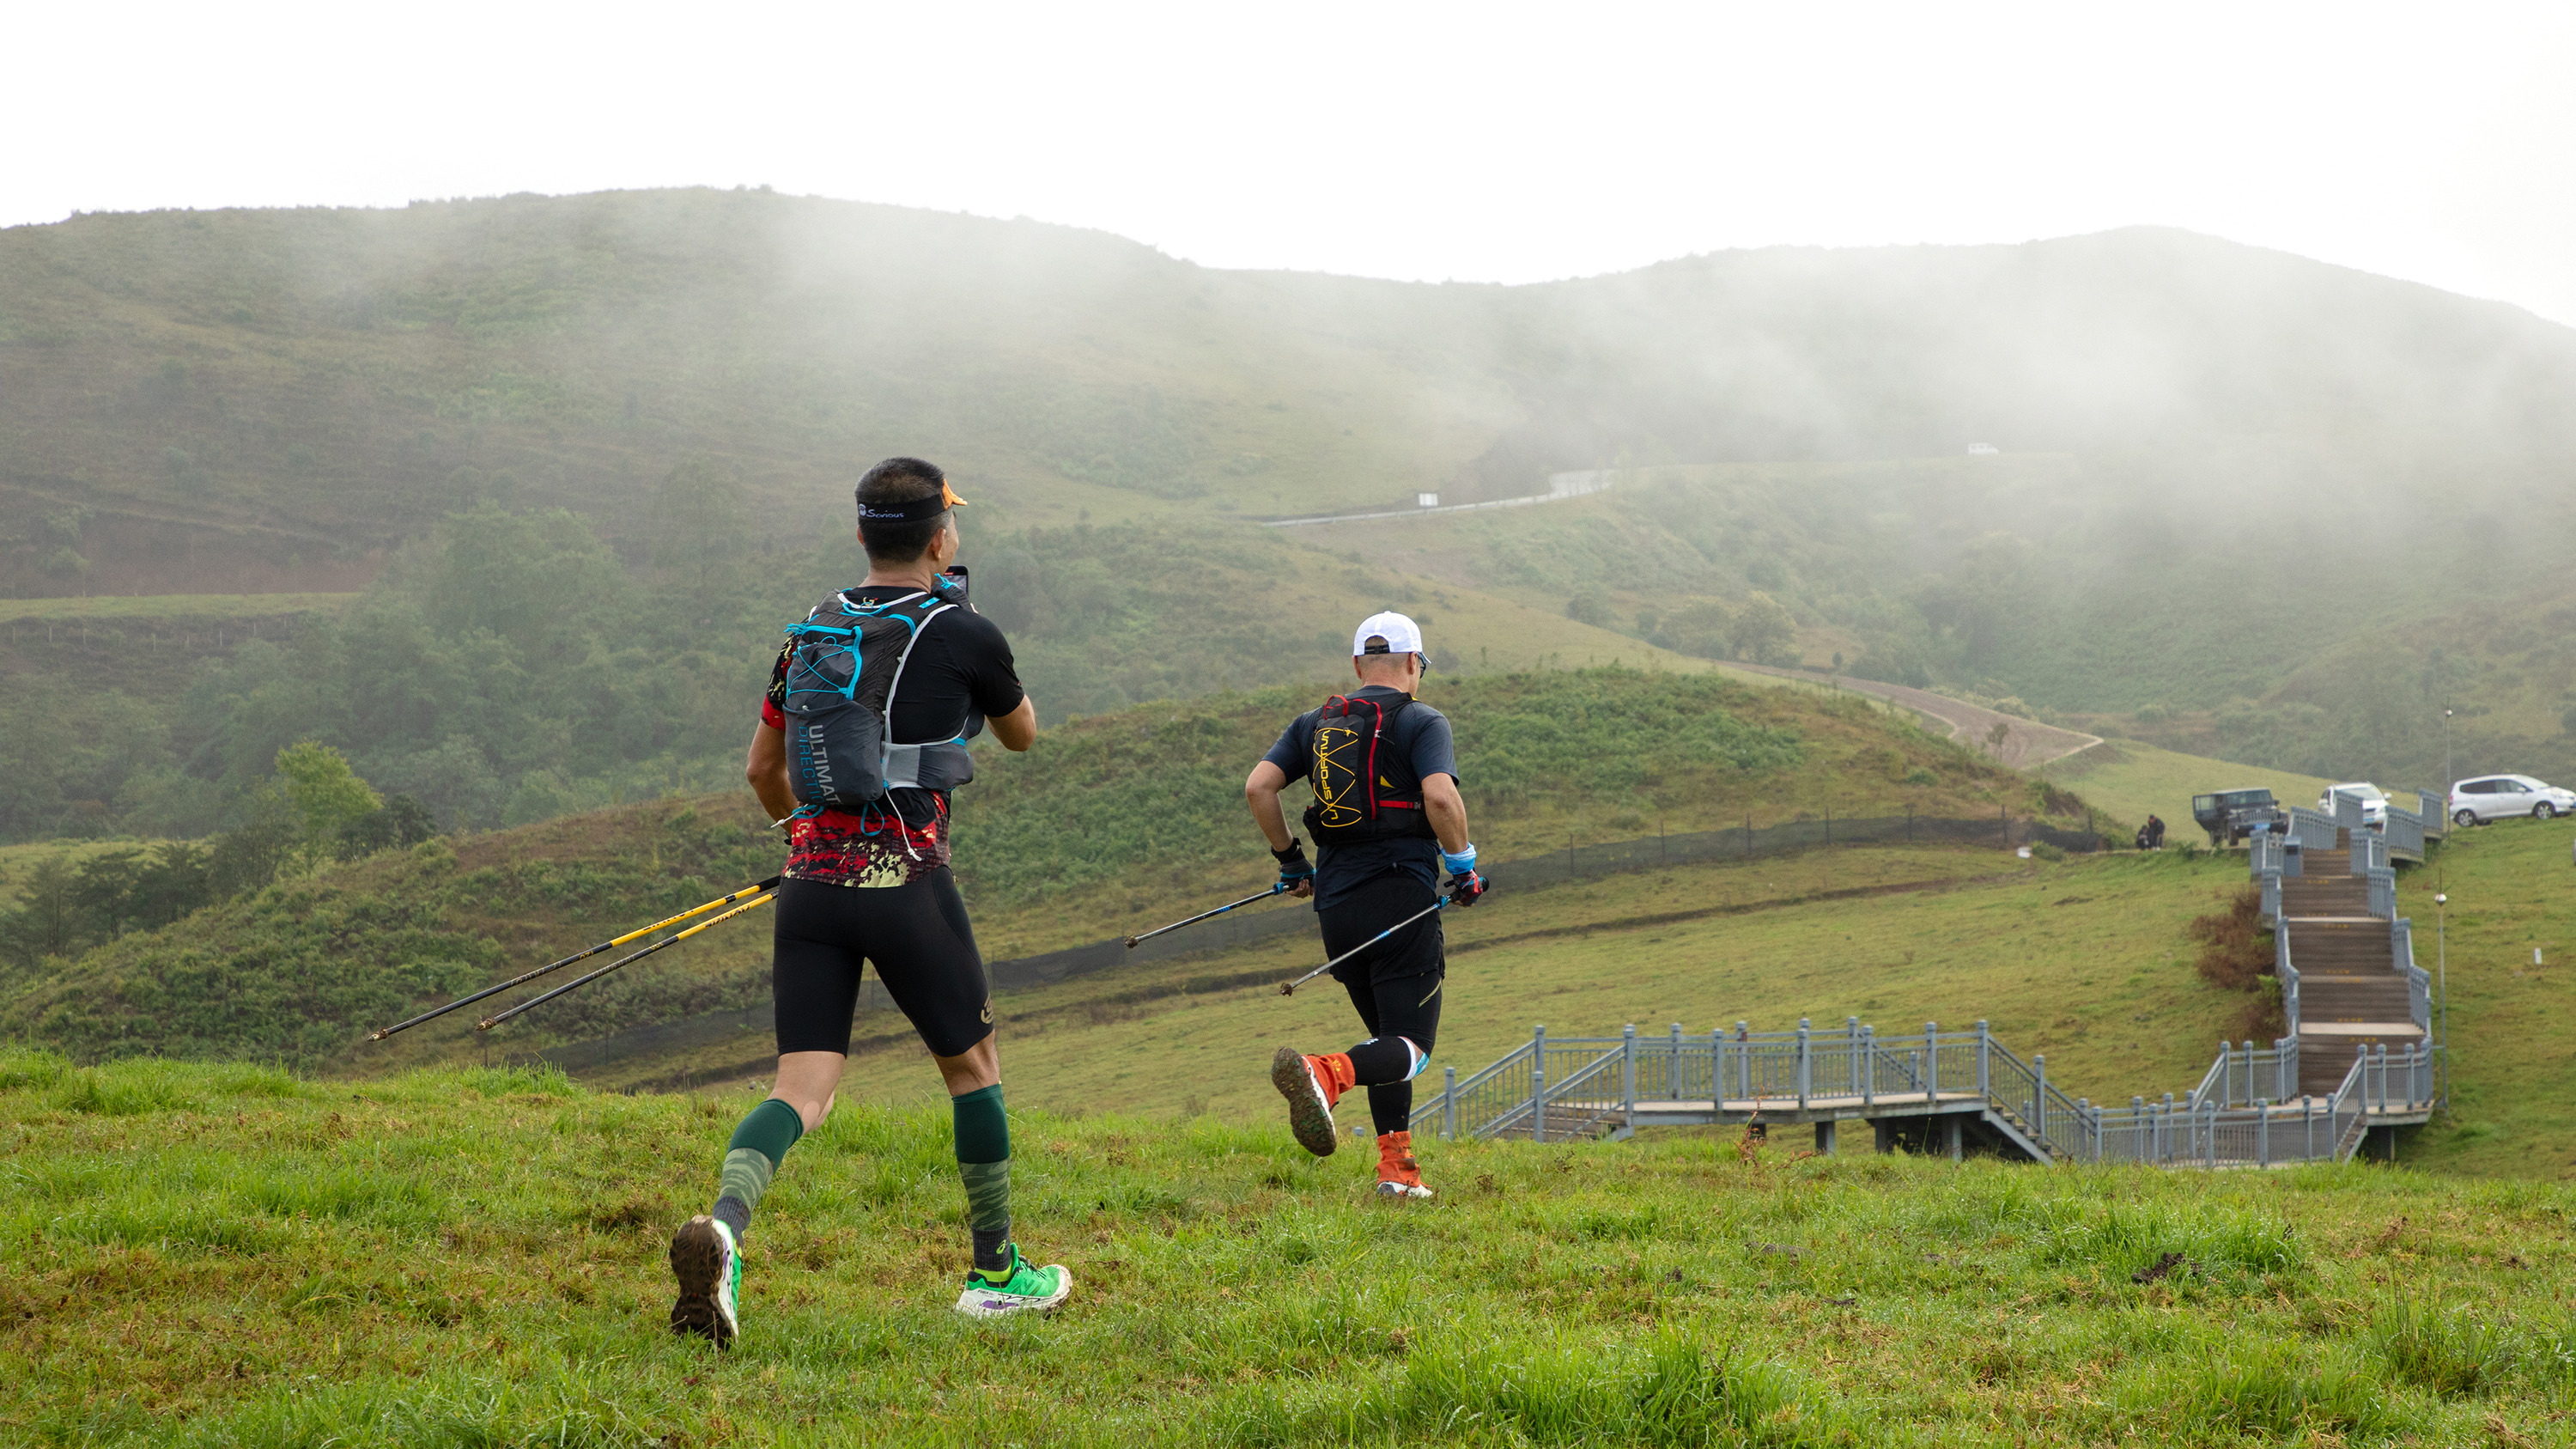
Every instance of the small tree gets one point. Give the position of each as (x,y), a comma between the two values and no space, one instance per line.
(325,796)
(47,919)
(1765,633)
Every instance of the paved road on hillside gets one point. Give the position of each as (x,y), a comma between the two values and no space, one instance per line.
(2026,742)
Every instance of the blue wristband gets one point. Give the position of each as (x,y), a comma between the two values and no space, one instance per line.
(1461,862)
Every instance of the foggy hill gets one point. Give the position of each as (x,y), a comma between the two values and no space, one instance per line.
(265,399)
(2243,496)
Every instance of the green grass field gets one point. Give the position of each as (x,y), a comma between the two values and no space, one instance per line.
(2129,780)
(2513,1080)
(224,1255)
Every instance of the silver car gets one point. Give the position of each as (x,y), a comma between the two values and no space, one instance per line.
(2374,802)
(2502,797)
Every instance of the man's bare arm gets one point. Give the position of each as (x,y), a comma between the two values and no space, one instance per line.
(767,771)
(1261,792)
(1019,729)
(1448,812)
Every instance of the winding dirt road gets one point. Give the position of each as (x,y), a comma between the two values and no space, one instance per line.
(2026,742)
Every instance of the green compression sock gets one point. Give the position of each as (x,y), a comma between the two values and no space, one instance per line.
(760,1143)
(984,1161)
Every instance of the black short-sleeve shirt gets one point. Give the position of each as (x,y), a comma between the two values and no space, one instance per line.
(1420,747)
(960,671)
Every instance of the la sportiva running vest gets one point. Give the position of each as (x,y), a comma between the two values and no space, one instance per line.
(846,664)
(1350,766)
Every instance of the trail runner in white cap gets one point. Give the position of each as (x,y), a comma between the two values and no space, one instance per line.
(1386,818)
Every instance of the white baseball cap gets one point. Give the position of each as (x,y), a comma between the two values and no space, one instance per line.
(1402,635)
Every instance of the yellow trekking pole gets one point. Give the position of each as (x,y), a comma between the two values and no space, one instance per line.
(766,894)
(582,955)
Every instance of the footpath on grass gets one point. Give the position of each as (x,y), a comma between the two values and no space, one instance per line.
(2027,744)
(1576,862)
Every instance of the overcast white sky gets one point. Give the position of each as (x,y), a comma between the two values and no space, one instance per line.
(1490,141)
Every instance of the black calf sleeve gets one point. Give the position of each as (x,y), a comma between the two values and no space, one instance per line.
(1381,1059)
(1390,1106)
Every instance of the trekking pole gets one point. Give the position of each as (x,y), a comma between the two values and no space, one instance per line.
(1291,988)
(1203,915)
(581,955)
(575,984)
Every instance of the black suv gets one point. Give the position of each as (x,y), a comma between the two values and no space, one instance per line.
(2231,815)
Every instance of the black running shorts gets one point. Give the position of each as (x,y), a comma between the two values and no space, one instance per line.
(1365,910)
(918,939)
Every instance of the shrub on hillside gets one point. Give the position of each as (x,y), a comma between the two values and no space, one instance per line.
(2234,958)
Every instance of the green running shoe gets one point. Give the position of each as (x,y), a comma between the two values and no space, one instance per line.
(703,1258)
(1017,1289)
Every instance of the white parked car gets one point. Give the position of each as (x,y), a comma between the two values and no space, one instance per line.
(2500,797)
(2374,802)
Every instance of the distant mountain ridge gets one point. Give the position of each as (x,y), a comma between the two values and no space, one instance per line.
(284,393)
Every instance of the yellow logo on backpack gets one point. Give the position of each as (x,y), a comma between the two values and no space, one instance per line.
(1353,798)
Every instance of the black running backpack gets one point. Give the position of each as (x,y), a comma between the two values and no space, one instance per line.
(1349,764)
(844,664)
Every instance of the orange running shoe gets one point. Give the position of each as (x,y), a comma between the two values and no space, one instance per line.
(1398,1175)
(1312,1085)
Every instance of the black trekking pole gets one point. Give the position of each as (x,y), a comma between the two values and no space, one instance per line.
(765,896)
(581,955)
(1203,915)
(1291,988)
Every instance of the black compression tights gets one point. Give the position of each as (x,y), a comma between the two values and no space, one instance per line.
(1392,1009)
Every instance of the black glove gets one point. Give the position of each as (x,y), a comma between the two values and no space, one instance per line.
(1466,890)
(1294,869)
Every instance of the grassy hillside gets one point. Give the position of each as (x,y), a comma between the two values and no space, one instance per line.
(2509,1018)
(1111,823)
(274,401)
(2375,702)
(478,1257)
(2131,780)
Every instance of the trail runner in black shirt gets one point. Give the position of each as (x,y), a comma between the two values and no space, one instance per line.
(874,885)
(1387,818)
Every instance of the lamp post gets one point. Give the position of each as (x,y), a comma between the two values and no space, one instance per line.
(2441,915)
(2442,980)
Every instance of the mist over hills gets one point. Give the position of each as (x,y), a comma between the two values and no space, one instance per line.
(327,374)
(2233,482)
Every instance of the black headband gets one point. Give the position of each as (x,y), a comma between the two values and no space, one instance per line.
(913,512)
(919,510)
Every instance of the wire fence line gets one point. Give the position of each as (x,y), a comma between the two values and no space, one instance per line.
(2003,831)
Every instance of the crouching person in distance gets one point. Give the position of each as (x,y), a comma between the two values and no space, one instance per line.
(861,738)
(1386,817)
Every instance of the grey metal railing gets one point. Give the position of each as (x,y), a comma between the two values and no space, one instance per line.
(2288,975)
(2311,830)
(2245,1074)
(2381,884)
(2404,833)
(2348,811)
(2369,852)
(2266,852)
(2419,982)
(2245,1112)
